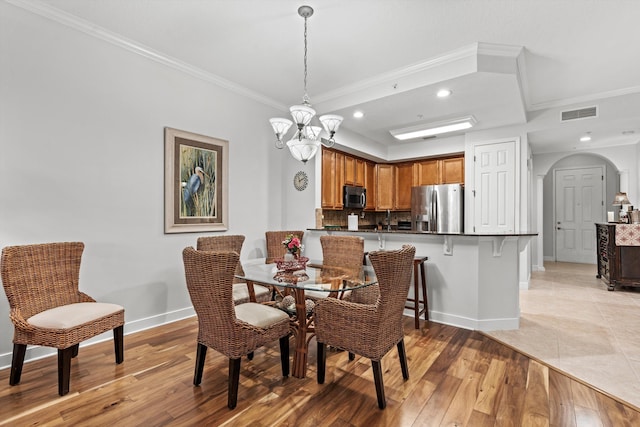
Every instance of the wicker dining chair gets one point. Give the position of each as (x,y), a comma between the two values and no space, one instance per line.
(370,330)
(48,309)
(240,288)
(275,248)
(345,252)
(233,330)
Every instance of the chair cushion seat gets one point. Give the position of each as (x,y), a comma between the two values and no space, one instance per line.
(241,292)
(72,315)
(259,315)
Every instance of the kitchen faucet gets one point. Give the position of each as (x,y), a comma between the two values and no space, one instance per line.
(388,220)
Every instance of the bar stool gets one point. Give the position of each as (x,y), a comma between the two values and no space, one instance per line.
(418,266)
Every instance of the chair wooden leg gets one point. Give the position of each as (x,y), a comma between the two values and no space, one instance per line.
(377,378)
(250,356)
(416,295)
(284,355)
(402,355)
(75,348)
(118,343)
(64,369)
(322,361)
(423,273)
(201,355)
(19,350)
(352,356)
(234,380)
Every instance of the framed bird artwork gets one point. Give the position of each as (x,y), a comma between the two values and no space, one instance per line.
(196,170)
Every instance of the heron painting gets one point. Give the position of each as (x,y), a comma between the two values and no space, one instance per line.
(198,182)
(196,187)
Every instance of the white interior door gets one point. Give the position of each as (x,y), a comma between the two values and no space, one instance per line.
(494,174)
(579,204)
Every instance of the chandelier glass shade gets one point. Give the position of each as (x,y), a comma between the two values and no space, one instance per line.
(306,139)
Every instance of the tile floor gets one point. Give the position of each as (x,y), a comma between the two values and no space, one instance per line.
(570,321)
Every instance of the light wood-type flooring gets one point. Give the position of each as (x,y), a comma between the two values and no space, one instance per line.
(457,378)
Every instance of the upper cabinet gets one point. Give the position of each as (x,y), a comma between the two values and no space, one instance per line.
(439,171)
(403,184)
(333,166)
(385,186)
(426,172)
(388,185)
(353,171)
(370,184)
(452,170)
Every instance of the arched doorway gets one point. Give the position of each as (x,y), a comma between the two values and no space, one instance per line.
(577,191)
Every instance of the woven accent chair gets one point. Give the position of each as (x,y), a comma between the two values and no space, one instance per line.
(47,308)
(370,330)
(240,288)
(275,248)
(233,330)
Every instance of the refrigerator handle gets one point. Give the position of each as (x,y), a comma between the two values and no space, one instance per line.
(434,209)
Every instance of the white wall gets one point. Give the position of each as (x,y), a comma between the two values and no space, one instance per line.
(81,159)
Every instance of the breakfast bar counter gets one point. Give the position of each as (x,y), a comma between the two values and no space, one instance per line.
(473,280)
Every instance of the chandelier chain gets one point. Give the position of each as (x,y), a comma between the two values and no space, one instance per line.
(305,99)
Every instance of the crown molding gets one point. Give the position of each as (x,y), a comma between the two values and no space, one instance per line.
(76,23)
(584,99)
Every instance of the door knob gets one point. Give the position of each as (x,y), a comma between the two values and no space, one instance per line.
(558,228)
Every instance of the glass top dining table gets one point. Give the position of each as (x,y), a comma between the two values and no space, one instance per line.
(324,281)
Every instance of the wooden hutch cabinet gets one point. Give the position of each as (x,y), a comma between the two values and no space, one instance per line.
(617,265)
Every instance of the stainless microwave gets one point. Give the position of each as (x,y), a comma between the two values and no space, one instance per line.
(354,197)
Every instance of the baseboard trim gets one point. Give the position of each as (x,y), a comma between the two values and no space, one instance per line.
(472,324)
(38,352)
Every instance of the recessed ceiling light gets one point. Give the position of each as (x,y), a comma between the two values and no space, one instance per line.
(443,93)
(585,138)
(358,114)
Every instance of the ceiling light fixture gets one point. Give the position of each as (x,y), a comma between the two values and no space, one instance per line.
(358,114)
(436,128)
(586,137)
(443,93)
(306,140)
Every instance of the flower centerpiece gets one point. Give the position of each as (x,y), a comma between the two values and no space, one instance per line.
(293,259)
(293,245)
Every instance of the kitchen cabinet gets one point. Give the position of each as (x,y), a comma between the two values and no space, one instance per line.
(393,186)
(353,171)
(332,179)
(426,172)
(403,183)
(452,170)
(439,171)
(617,265)
(370,185)
(388,185)
(385,186)
(359,181)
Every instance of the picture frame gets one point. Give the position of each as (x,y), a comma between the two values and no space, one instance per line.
(196,185)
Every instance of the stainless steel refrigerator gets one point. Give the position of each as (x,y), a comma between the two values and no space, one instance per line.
(437,208)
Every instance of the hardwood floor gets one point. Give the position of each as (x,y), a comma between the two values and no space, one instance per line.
(457,378)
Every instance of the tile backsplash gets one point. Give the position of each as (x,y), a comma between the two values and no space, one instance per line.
(370,220)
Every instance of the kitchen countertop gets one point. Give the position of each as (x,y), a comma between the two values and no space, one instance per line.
(430,233)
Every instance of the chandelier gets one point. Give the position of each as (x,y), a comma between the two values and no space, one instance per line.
(306,140)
